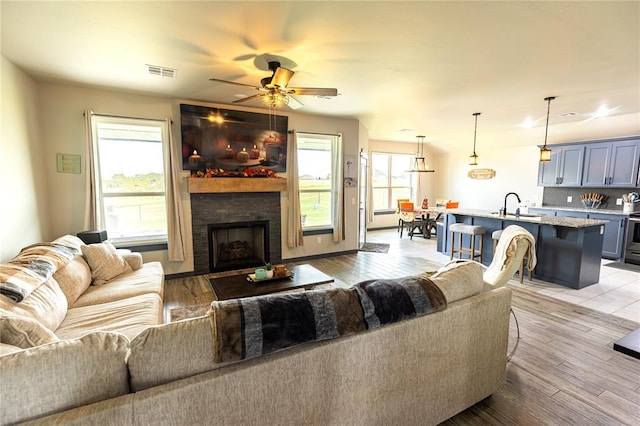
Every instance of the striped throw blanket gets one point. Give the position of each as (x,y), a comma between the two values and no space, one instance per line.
(250,327)
(33,266)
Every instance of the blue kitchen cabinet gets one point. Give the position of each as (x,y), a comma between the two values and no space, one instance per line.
(564,168)
(614,234)
(612,164)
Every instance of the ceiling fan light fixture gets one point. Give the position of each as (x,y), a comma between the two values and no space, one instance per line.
(473,158)
(545,152)
(274,99)
(275,92)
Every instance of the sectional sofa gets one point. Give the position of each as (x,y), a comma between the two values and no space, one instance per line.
(416,368)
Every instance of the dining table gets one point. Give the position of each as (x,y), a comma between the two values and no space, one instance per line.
(424,222)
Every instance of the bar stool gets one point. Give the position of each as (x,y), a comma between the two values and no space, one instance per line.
(495,236)
(471,230)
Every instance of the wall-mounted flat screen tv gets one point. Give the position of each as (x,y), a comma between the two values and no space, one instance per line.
(232,140)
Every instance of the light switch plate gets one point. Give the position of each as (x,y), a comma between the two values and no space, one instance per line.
(618,201)
(569,199)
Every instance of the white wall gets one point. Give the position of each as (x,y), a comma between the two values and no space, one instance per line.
(23,168)
(61,109)
(516,171)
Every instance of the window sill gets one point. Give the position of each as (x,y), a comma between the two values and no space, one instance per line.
(317,232)
(143,247)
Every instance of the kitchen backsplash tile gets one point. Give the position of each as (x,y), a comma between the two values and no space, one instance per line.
(557,197)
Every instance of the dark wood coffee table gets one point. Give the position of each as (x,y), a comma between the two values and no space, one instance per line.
(237,286)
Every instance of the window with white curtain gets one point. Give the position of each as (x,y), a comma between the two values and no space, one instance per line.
(316,186)
(390,179)
(130,166)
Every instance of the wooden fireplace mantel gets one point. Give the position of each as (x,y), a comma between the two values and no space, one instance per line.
(232,184)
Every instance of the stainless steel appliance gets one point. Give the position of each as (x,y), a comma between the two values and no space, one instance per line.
(632,253)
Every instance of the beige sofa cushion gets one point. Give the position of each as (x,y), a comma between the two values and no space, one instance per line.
(62,375)
(128,317)
(74,279)
(459,280)
(6,349)
(171,351)
(104,261)
(47,304)
(24,332)
(148,279)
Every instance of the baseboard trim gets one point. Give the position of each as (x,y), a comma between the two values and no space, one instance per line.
(319,256)
(179,275)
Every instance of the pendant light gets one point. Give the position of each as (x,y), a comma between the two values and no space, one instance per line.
(545,153)
(473,158)
(419,164)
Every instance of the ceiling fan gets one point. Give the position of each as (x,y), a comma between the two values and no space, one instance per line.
(274,90)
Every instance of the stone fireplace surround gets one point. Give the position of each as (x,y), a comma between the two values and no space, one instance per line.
(215,208)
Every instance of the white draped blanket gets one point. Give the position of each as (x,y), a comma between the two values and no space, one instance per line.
(33,266)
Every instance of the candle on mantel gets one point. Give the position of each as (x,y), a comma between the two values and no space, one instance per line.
(255,153)
(228,153)
(243,156)
(194,160)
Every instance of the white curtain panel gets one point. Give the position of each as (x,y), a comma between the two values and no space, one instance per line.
(91,210)
(417,196)
(337,210)
(294,224)
(175,222)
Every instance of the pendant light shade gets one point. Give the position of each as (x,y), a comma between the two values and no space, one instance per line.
(473,158)
(419,163)
(545,152)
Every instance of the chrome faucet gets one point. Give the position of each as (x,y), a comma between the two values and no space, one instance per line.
(504,209)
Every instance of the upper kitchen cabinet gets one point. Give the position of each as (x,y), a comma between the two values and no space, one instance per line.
(564,168)
(612,164)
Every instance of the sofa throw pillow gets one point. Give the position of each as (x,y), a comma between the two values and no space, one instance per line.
(459,280)
(24,332)
(105,262)
(74,279)
(47,305)
(70,241)
(134,260)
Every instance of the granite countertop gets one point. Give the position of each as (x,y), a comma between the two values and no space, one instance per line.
(583,210)
(567,222)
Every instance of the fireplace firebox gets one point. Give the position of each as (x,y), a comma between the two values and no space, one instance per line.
(238,245)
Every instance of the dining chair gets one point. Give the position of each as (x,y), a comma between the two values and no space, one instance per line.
(398,202)
(411,221)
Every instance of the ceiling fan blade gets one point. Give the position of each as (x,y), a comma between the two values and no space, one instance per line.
(318,91)
(293,103)
(233,82)
(248,98)
(281,77)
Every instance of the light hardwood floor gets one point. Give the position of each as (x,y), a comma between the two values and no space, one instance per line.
(564,370)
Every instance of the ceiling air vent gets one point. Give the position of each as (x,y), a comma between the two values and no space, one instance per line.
(161,71)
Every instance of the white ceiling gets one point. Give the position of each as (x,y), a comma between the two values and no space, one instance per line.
(424,67)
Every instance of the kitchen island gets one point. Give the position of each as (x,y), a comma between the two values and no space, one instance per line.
(568,249)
